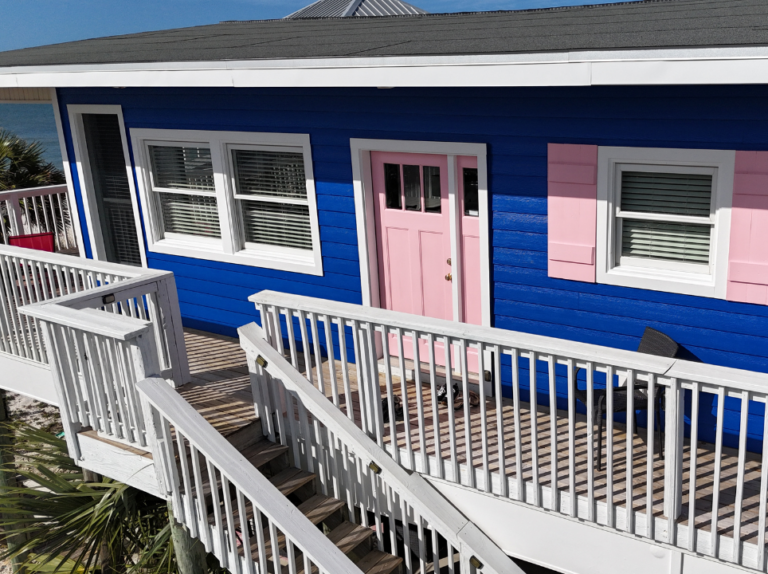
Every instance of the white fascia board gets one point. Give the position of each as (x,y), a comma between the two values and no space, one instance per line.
(636,67)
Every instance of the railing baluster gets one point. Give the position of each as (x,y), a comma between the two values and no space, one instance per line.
(393,440)
(436,432)
(361,376)
(574,511)
(649,478)
(258,522)
(742,461)
(232,539)
(189,501)
(345,368)
(521,494)
(553,444)
(483,418)
(450,406)
(500,428)
(609,446)
(376,410)
(590,442)
(533,407)
(306,346)
(416,337)
(217,517)
(318,353)
(332,375)
(198,503)
(694,449)
(714,536)
(467,414)
(630,455)
(404,391)
(246,538)
(763,505)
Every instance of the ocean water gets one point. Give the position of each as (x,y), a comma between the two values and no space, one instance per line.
(33,122)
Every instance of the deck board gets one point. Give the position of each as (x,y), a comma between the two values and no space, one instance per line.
(220,390)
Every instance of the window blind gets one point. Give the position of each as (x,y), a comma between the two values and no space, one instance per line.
(190,214)
(670,193)
(277,224)
(271,174)
(176,167)
(277,213)
(668,241)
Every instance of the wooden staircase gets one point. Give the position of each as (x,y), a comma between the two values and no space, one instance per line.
(328,514)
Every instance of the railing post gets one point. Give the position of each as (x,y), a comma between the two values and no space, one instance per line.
(674,426)
(14,216)
(168,301)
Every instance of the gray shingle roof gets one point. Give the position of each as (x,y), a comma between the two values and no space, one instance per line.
(351,8)
(637,25)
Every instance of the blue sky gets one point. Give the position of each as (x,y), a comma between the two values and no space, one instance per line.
(26,23)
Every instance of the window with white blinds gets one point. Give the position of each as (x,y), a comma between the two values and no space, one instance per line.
(271,191)
(663,219)
(182,176)
(245,198)
(666,216)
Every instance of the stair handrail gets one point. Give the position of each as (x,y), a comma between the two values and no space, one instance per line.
(165,407)
(477,550)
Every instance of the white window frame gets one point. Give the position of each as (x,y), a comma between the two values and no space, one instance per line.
(656,275)
(232,247)
(87,189)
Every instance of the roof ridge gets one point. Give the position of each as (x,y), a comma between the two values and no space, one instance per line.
(452,14)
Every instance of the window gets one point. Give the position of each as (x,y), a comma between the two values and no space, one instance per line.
(243,198)
(663,219)
(412,178)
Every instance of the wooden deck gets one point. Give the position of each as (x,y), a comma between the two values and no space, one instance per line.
(220,390)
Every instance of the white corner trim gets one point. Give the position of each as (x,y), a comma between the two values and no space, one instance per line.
(71,196)
(229,249)
(746,65)
(711,284)
(86,184)
(366,219)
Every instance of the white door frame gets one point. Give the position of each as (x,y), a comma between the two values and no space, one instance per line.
(366,218)
(92,220)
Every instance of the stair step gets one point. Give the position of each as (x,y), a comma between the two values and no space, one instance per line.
(348,536)
(377,562)
(263,452)
(290,480)
(320,507)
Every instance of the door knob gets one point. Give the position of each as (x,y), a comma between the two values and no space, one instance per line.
(448,261)
(449,277)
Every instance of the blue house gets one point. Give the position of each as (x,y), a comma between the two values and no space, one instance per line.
(556,184)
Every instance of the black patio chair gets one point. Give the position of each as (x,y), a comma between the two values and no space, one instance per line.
(653,343)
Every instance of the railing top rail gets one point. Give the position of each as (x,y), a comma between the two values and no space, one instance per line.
(661,366)
(70,261)
(110,325)
(252,484)
(32,191)
(424,496)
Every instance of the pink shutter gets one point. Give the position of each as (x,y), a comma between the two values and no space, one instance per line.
(748,253)
(572,211)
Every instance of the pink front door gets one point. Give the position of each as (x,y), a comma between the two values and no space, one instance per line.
(413,236)
(413,233)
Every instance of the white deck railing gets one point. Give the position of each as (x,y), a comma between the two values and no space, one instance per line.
(38,210)
(353,468)
(101,327)
(201,471)
(513,448)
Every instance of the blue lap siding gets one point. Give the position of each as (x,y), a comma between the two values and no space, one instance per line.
(516,124)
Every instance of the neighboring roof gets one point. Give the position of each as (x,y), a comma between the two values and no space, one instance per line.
(352,8)
(644,25)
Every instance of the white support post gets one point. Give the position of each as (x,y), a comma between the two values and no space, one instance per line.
(168,300)
(674,425)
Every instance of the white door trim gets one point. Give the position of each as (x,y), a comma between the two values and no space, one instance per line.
(86,184)
(74,210)
(366,223)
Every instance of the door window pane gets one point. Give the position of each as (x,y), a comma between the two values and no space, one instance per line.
(392,185)
(111,189)
(471,203)
(412,181)
(432,189)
